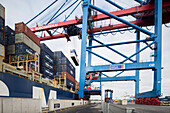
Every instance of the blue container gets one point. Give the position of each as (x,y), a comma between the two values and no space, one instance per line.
(70,83)
(9,36)
(64,61)
(21,48)
(2,24)
(58,54)
(61,68)
(33,64)
(47,57)
(46,72)
(2,41)
(44,48)
(2,31)
(47,64)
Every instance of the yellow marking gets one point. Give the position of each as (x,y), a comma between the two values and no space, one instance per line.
(54,111)
(61,110)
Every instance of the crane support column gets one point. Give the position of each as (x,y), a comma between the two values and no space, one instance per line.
(158,51)
(137,60)
(83,48)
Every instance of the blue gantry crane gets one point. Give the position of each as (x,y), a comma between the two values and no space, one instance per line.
(149,12)
(152,39)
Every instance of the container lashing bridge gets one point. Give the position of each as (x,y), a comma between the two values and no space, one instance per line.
(150,12)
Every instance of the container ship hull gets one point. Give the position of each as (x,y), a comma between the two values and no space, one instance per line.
(14,86)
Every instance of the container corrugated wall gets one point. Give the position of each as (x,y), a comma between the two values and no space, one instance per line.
(2,31)
(2,25)
(19,48)
(22,38)
(2,11)
(9,36)
(46,62)
(47,73)
(46,49)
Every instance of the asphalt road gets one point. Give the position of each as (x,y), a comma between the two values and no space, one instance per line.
(150,108)
(144,108)
(92,108)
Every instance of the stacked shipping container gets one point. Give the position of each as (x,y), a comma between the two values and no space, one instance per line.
(62,66)
(21,42)
(46,62)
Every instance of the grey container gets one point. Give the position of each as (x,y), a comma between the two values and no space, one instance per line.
(10,49)
(22,38)
(2,11)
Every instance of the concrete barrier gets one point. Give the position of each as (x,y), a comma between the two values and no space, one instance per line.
(61,104)
(20,105)
(112,108)
(1,105)
(93,102)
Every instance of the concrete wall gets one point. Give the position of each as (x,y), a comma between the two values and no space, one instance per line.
(113,108)
(20,105)
(0,105)
(60,104)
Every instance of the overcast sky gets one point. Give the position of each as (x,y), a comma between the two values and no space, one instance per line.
(24,10)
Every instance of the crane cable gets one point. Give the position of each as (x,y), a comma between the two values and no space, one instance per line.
(41,12)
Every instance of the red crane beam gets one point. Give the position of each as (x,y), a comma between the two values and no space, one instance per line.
(54,37)
(141,23)
(130,11)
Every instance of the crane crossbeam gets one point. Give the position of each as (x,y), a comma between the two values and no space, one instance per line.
(125,12)
(110,27)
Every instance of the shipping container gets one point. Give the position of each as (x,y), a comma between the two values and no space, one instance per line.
(47,50)
(19,48)
(2,31)
(46,71)
(10,49)
(47,57)
(64,61)
(22,38)
(60,68)
(2,37)
(58,54)
(45,63)
(68,76)
(22,28)
(2,24)
(2,11)
(70,83)
(9,36)
(22,48)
